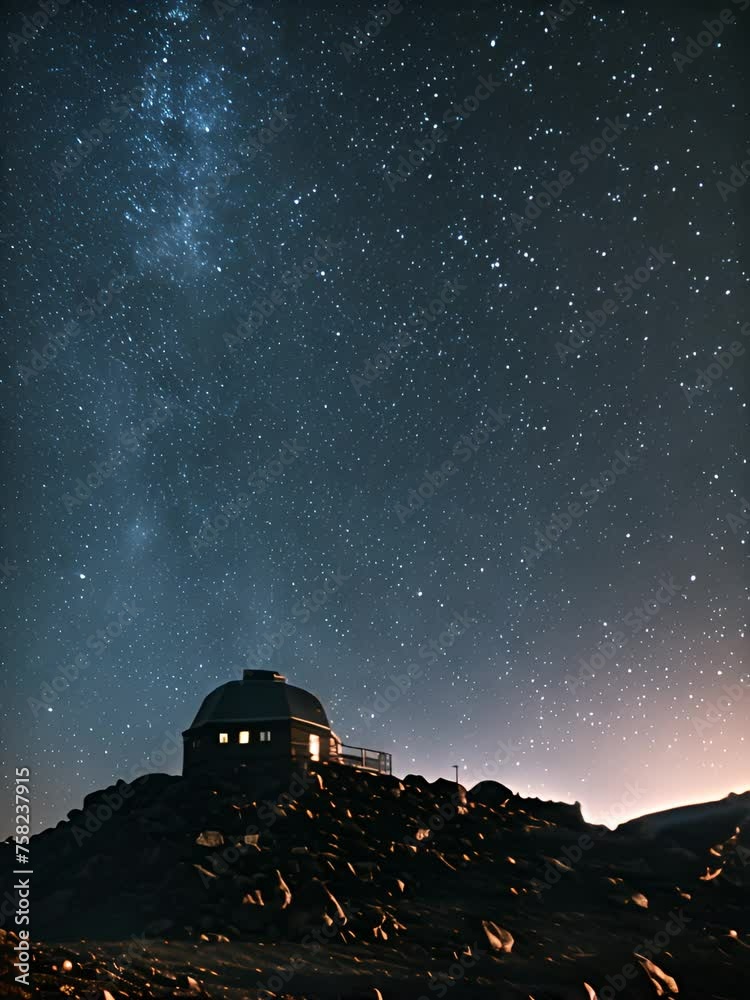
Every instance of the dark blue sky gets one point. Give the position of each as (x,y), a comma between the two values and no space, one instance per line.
(172,168)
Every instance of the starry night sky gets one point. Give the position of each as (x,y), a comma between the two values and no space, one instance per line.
(243,155)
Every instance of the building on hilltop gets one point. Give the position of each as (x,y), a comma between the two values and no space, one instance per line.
(262,724)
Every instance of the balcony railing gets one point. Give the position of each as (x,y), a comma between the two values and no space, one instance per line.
(370,760)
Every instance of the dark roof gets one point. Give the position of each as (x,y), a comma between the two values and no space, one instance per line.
(260,695)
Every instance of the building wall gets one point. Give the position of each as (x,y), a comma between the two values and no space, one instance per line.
(300,740)
(210,753)
(289,743)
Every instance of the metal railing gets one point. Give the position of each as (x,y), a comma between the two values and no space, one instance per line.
(370,760)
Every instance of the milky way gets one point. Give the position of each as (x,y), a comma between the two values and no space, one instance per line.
(404,357)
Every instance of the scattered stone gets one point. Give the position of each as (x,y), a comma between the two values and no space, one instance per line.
(497,937)
(371,870)
(210,838)
(661,982)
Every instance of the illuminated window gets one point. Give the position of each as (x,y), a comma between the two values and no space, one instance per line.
(314,746)
(265,736)
(245,736)
(223,737)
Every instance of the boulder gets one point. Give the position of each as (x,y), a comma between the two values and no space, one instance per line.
(498,938)
(210,838)
(490,793)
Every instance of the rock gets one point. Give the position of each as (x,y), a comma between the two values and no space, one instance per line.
(314,906)
(710,875)
(490,793)
(210,838)
(662,983)
(560,813)
(448,791)
(181,858)
(497,937)
(253,898)
(206,876)
(276,892)
(416,781)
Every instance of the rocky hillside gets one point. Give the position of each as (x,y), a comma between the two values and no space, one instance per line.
(351,883)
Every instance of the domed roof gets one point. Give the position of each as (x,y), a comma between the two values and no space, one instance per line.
(261,695)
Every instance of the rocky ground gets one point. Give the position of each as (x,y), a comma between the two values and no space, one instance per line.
(350,885)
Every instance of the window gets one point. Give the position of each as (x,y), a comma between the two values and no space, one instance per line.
(314,745)
(244,736)
(265,736)
(223,737)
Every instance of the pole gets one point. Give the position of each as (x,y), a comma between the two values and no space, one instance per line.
(455,768)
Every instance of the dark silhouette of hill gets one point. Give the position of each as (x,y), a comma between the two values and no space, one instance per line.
(346,882)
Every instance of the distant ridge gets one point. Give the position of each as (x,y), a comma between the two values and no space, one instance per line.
(701,817)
